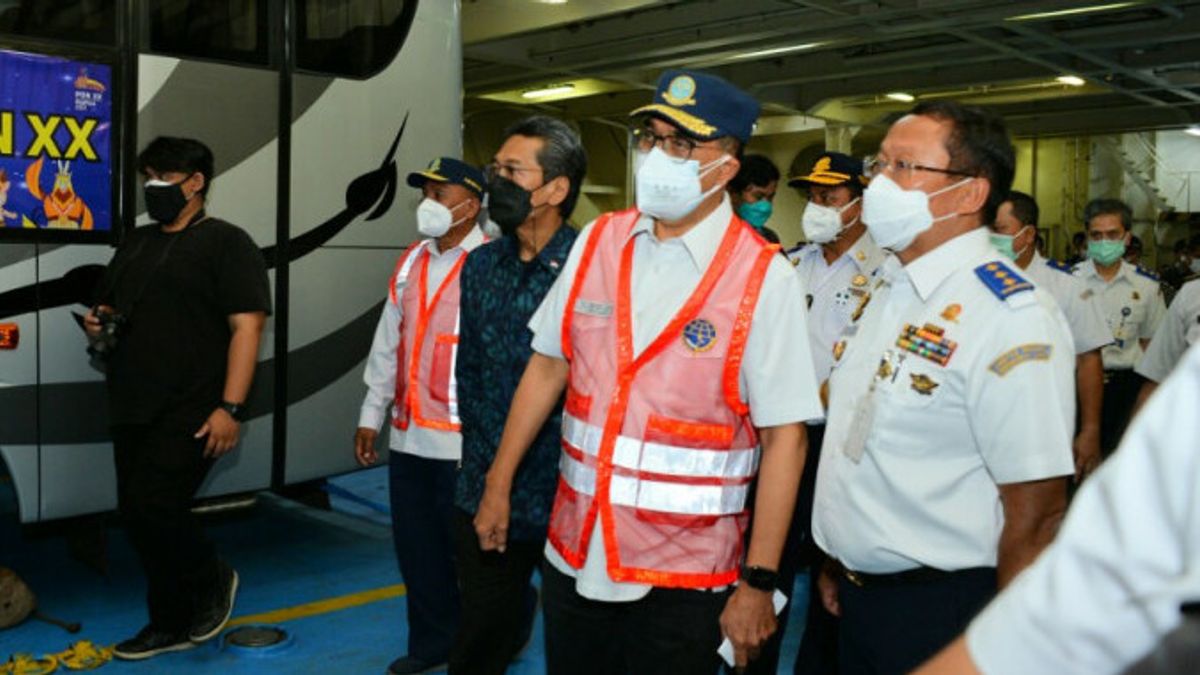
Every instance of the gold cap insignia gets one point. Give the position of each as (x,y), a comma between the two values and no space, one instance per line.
(681,91)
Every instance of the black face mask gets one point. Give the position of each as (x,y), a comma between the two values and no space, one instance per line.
(509,204)
(164,203)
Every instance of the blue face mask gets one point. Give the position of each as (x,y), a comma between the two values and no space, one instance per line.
(756,213)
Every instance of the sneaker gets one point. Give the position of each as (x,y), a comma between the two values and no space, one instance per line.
(214,611)
(410,665)
(151,641)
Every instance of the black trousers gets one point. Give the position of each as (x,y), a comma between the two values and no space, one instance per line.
(892,629)
(497,601)
(1121,389)
(159,468)
(668,632)
(422,499)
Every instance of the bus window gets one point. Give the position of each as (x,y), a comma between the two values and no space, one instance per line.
(351,38)
(224,30)
(88,21)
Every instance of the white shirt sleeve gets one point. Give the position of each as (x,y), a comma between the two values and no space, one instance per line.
(778,378)
(1168,344)
(1110,586)
(1039,392)
(1086,317)
(546,322)
(1156,310)
(380,373)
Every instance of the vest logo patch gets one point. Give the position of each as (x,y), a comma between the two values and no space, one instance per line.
(699,335)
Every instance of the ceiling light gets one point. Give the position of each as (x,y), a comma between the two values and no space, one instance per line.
(552,90)
(775,51)
(901,97)
(1070,12)
(1193,130)
(553,2)
(1072,80)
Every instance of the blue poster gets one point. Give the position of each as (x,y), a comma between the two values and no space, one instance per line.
(55,126)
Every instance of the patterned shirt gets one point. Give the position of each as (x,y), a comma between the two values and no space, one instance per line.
(500,293)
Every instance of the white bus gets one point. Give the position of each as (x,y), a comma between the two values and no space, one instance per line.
(315,110)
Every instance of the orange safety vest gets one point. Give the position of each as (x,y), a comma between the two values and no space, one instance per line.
(425,388)
(659,446)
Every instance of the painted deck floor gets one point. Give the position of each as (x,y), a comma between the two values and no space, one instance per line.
(327,577)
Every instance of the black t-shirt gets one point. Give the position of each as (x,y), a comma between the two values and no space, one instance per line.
(177,291)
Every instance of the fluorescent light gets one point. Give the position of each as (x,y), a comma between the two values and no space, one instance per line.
(1070,12)
(1193,130)
(553,2)
(552,90)
(1072,80)
(775,51)
(900,96)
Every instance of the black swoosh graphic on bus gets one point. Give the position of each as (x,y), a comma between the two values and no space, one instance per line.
(375,188)
(77,412)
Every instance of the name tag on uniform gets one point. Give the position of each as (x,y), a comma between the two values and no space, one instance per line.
(592,308)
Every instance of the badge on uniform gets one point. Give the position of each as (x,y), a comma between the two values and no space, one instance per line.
(862,304)
(858,280)
(928,342)
(839,348)
(922,384)
(1018,355)
(700,335)
(1136,296)
(951,312)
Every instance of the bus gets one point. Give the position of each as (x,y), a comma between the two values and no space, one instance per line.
(314,110)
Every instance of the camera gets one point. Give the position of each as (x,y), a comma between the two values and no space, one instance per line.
(112,324)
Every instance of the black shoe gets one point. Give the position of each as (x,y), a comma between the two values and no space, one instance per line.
(213,612)
(410,665)
(151,641)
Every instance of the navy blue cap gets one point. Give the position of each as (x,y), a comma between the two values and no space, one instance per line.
(703,105)
(832,168)
(449,170)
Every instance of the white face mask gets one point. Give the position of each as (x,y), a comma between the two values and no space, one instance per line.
(823,224)
(639,160)
(668,189)
(895,216)
(434,219)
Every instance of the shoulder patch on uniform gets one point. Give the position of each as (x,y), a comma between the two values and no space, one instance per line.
(1018,355)
(1001,280)
(1057,265)
(1146,273)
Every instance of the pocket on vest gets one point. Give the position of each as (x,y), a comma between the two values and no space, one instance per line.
(441,370)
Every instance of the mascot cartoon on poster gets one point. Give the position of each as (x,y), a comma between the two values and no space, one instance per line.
(64,208)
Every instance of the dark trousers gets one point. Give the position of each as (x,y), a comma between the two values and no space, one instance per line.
(1121,389)
(497,601)
(159,468)
(668,632)
(422,496)
(894,628)
(819,645)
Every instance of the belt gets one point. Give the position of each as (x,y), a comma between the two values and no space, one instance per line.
(1111,374)
(920,575)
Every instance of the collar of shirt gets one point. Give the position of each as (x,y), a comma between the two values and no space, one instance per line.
(474,238)
(1125,273)
(930,270)
(703,239)
(553,255)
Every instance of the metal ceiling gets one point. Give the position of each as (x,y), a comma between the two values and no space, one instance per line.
(1140,60)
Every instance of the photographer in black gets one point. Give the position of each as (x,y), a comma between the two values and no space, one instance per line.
(177,326)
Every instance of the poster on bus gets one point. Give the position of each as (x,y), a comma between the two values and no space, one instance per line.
(55,144)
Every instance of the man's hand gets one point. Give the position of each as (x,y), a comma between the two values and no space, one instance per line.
(91,322)
(827,586)
(748,620)
(222,431)
(364,446)
(491,520)
(1087,453)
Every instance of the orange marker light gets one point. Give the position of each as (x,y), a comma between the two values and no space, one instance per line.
(10,335)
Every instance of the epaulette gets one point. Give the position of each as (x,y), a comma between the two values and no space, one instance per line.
(1057,265)
(1001,280)
(1146,273)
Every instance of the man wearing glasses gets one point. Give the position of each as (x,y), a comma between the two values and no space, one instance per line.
(676,333)
(1133,305)
(951,407)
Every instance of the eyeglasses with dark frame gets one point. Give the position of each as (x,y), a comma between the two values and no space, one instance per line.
(874,166)
(506,170)
(677,146)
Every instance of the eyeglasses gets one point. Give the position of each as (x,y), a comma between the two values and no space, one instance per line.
(677,147)
(874,166)
(508,171)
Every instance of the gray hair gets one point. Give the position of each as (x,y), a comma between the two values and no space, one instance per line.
(562,153)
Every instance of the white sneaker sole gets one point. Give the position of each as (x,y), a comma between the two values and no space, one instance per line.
(233,588)
(141,656)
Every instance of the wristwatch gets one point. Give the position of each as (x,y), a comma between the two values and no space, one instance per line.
(760,578)
(236,410)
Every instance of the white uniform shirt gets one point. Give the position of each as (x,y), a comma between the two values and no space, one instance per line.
(1110,586)
(380,373)
(834,291)
(776,376)
(1133,306)
(923,491)
(1078,302)
(1180,330)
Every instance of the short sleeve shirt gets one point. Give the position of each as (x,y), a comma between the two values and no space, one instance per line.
(1133,306)
(1079,303)
(1179,331)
